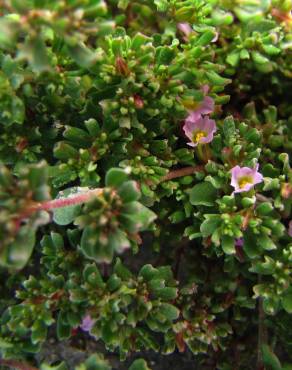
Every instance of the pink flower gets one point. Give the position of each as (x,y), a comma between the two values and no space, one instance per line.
(206,106)
(239,242)
(185,28)
(87,323)
(199,131)
(244,178)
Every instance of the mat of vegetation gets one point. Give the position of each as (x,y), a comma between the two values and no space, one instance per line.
(145,184)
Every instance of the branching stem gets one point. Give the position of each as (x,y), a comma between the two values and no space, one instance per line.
(86,196)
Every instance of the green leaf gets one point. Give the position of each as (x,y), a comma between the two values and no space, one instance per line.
(35,52)
(169,311)
(95,362)
(115,177)
(61,366)
(38,331)
(141,215)
(216,79)
(287,300)
(129,191)
(264,209)
(229,129)
(205,38)
(164,55)
(118,241)
(265,242)
(228,244)
(92,276)
(122,271)
(270,360)
(210,225)
(203,194)
(17,254)
(139,364)
(138,40)
(82,55)
(233,58)
(250,246)
(63,329)
(92,247)
(162,5)
(66,215)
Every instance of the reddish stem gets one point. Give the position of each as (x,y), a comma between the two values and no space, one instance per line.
(88,195)
(59,203)
(16,365)
(182,172)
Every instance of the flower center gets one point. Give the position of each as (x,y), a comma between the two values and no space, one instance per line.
(198,135)
(246,180)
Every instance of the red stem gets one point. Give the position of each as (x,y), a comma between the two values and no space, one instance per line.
(88,195)
(182,172)
(59,203)
(16,365)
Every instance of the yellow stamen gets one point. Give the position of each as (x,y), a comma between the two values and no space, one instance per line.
(198,135)
(244,181)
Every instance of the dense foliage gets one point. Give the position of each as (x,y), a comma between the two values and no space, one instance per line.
(145,180)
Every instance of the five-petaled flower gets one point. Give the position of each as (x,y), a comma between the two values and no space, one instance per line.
(206,106)
(199,131)
(244,178)
(87,323)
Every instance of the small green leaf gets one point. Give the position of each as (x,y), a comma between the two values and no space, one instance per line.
(139,364)
(141,215)
(265,242)
(210,225)
(169,311)
(63,329)
(129,191)
(233,58)
(203,194)
(92,275)
(287,300)
(115,177)
(17,254)
(228,244)
(82,55)
(164,55)
(35,52)
(66,215)
(92,247)
(118,241)
(61,366)
(95,362)
(38,331)
(270,360)
(216,79)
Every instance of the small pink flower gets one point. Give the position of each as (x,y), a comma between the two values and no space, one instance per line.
(206,106)
(185,28)
(244,178)
(87,323)
(199,131)
(239,242)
